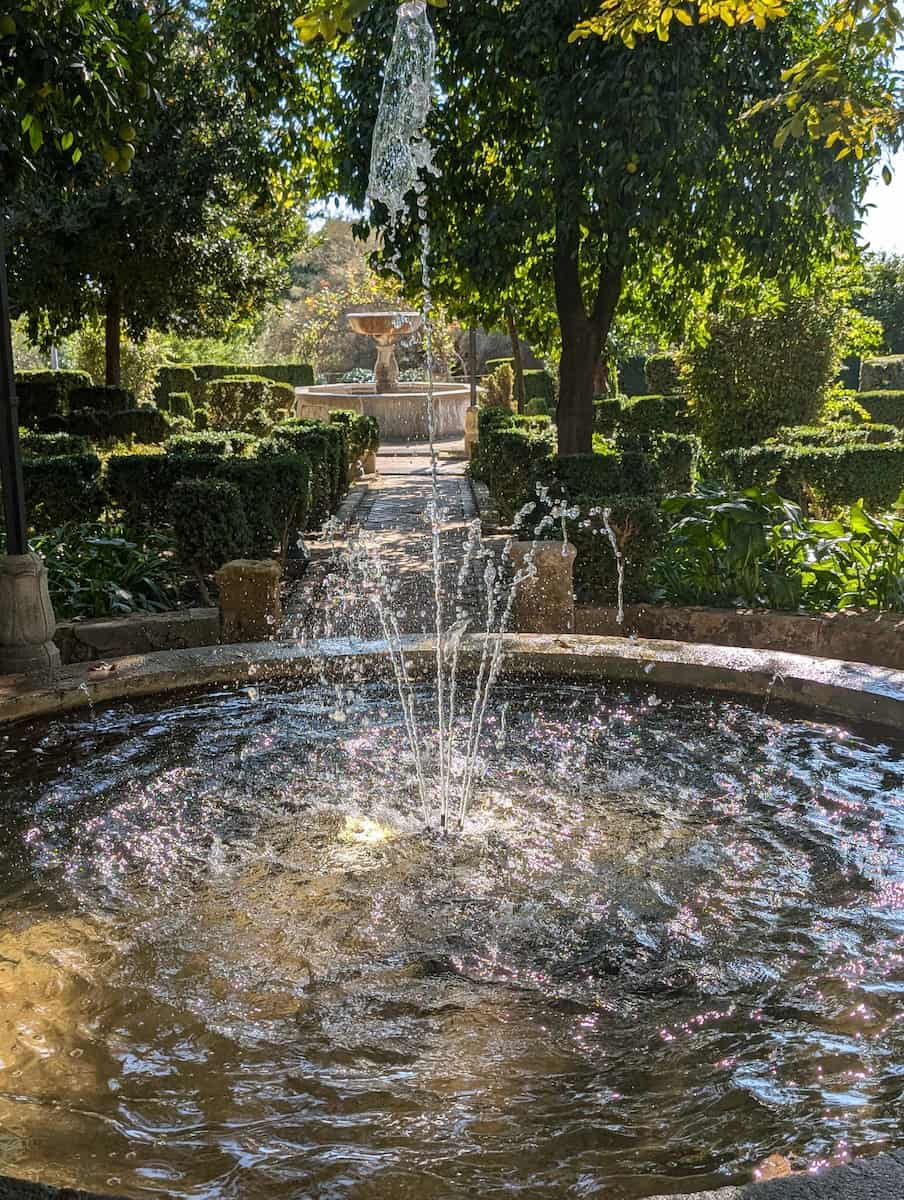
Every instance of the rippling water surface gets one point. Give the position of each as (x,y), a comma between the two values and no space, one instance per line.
(232,963)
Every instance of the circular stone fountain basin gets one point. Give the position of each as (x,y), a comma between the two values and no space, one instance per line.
(666,945)
(402,414)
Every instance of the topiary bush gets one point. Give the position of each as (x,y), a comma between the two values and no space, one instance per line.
(510,449)
(51,445)
(630,473)
(180,378)
(63,489)
(232,399)
(211,445)
(836,434)
(654,414)
(139,484)
(824,478)
(607,411)
(884,406)
(675,457)
(499,388)
(89,423)
(758,373)
(177,404)
(661,374)
(882,374)
(209,524)
(295,374)
(539,385)
(102,399)
(146,425)
(44,395)
(302,436)
(362,432)
(275,495)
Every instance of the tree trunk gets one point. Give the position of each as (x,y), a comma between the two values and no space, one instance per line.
(517,360)
(113,339)
(583,337)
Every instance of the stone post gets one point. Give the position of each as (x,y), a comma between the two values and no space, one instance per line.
(250,606)
(545,603)
(27,623)
(472,414)
(369,463)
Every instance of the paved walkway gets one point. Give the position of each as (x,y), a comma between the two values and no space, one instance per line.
(388,523)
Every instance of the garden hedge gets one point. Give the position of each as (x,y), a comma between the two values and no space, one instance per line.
(509,452)
(325,448)
(761,372)
(177,404)
(630,474)
(44,395)
(654,414)
(661,374)
(838,434)
(222,444)
(51,445)
(139,484)
(209,523)
(885,374)
(234,399)
(824,477)
(63,489)
(181,378)
(884,406)
(275,496)
(295,374)
(102,399)
(362,432)
(675,457)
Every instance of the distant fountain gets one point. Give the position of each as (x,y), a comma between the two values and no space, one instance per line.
(387,329)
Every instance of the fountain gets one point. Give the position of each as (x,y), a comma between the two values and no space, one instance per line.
(401,408)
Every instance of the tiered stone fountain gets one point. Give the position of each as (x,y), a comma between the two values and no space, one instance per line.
(401,409)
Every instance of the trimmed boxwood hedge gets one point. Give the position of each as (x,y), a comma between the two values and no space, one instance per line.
(275,495)
(211,445)
(630,473)
(102,399)
(362,432)
(829,477)
(52,445)
(884,407)
(44,395)
(139,484)
(675,457)
(321,443)
(209,523)
(661,374)
(834,435)
(63,489)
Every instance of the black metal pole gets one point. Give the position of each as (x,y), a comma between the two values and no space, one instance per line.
(10,458)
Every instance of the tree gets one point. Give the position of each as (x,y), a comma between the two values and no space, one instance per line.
(881,296)
(191,239)
(831,92)
(73,76)
(590,171)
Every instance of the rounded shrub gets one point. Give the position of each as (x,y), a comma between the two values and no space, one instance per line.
(760,372)
(209,523)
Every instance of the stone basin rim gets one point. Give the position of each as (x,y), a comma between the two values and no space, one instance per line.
(827,689)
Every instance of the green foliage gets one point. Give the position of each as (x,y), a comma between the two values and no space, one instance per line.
(511,452)
(881,296)
(44,394)
(654,414)
(73,78)
(882,374)
(629,473)
(51,445)
(661,374)
(202,419)
(823,478)
(223,444)
(148,426)
(106,571)
(102,399)
(836,434)
(362,432)
(758,550)
(499,387)
(539,385)
(607,411)
(209,524)
(884,406)
(139,484)
(674,457)
(178,404)
(293,374)
(275,495)
(62,489)
(537,407)
(325,448)
(181,379)
(231,400)
(139,361)
(759,372)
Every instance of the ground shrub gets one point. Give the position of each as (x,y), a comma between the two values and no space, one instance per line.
(44,395)
(149,426)
(102,399)
(177,404)
(758,373)
(884,406)
(139,485)
(209,524)
(222,444)
(275,495)
(63,489)
(836,434)
(51,445)
(362,432)
(821,478)
(661,374)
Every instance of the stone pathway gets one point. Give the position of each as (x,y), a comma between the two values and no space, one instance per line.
(389,512)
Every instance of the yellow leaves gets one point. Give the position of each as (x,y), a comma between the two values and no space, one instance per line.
(630,19)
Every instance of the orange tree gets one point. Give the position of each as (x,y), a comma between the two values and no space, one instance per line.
(587,170)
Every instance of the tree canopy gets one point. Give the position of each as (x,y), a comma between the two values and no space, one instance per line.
(191,239)
(584,171)
(881,296)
